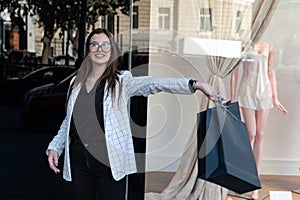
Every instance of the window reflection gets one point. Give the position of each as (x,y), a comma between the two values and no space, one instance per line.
(205,20)
(164,18)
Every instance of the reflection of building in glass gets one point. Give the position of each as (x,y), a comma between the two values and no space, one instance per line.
(205,20)
(211,19)
(164,18)
(17,33)
(5,27)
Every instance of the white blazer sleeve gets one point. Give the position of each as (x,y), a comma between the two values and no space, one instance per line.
(146,85)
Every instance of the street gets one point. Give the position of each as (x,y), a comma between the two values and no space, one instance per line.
(24,171)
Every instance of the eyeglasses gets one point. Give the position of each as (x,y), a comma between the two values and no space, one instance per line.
(104,47)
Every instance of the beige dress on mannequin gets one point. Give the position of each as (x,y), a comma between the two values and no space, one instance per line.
(255,91)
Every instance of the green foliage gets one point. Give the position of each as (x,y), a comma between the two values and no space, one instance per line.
(53,15)
(16,8)
(63,15)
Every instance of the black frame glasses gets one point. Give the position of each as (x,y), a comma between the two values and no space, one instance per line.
(106,47)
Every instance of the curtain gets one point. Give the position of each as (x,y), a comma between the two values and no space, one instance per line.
(230,20)
(261,18)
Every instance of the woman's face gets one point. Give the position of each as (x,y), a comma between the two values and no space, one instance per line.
(100,49)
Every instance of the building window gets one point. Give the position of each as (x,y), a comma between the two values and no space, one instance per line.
(135,17)
(205,20)
(164,18)
(238,21)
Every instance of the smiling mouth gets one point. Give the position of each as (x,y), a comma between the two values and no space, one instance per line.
(99,55)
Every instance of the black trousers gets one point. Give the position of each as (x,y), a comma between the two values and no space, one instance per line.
(92,180)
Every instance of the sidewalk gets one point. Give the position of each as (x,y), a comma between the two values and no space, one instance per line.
(24,171)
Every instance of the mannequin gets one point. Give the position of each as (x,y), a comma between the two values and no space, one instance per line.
(257,94)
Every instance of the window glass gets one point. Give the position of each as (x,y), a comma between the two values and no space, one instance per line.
(48,74)
(135,17)
(205,20)
(238,20)
(164,18)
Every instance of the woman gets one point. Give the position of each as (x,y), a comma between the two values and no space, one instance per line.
(256,96)
(95,133)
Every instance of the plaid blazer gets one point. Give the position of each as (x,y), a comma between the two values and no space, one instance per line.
(116,120)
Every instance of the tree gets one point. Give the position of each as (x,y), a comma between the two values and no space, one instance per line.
(45,11)
(63,15)
(14,7)
(57,15)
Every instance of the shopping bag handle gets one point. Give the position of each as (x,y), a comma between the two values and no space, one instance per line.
(219,102)
(227,110)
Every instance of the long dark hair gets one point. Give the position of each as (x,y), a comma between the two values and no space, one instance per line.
(112,68)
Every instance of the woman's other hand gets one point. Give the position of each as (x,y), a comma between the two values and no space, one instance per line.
(53,160)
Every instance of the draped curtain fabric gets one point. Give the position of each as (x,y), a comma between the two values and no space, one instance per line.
(263,12)
(185,184)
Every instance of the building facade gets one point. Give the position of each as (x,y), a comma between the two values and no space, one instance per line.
(207,19)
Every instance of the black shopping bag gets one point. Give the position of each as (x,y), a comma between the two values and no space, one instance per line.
(224,150)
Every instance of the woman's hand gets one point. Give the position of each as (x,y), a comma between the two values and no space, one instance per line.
(208,90)
(53,160)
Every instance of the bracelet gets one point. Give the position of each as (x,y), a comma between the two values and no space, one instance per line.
(194,85)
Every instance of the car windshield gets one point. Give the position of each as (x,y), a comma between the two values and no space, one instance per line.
(69,77)
(34,73)
(50,74)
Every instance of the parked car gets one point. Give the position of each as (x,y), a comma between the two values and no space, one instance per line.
(62,60)
(43,108)
(12,90)
(22,57)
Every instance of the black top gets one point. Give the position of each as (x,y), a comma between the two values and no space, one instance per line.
(87,124)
